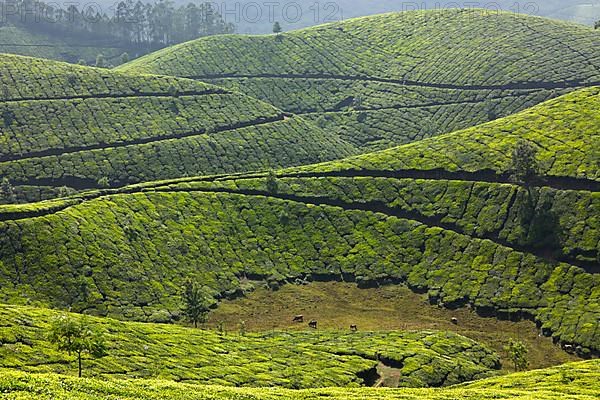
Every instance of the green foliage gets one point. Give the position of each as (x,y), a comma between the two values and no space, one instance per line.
(545,384)
(7,191)
(76,336)
(125,58)
(100,61)
(406,67)
(103,182)
(277,27)
(90,124)
(181,230)
(517,352)
(326,358)
(562,129)
(272,184)
(196,303)
(524,165)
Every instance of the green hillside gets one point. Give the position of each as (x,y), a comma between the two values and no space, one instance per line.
(391,79)
(326,358)
(74,126)
(463,238)
(575,381)
(564,130)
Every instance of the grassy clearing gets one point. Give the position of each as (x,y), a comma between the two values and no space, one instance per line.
(337,305)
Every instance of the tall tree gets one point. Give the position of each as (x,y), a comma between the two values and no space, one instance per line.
(196,303)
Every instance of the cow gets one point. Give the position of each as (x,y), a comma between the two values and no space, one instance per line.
(454,320)
(353,327)
(313,324)
(298,318)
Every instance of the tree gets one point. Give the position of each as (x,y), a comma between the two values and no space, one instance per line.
(196,302)
(7,191)
(277,28)
(104,182)
(524,165)
(272,184)
(597,25)
(100,62)
(77,336)
(517,353)
(124,58)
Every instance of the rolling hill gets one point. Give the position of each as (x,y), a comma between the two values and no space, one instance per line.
(454,235)
(392,79)
(576,381)
(66,125)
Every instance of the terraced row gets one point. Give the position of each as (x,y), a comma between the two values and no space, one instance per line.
(74,126)
(125,255)
(555,224)
(576,380)
(325,358)
(564,130)
(357,77)
(376,115)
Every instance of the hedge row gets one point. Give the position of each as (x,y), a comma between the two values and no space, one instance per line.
(576,380)
(36,78)
(291,141)
(563,130)
(326,358)
(126,255)
(461,47)
(55,125)
(563,221)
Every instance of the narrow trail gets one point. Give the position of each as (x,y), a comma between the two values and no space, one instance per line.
(508,86)
(109,96)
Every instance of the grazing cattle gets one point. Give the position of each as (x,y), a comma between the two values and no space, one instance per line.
(353,328)
(313,324)
(454,320)
(298,318)
(568,347)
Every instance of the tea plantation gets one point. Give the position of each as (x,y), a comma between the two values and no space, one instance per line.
(391,79)
(325,358)
(65,125)
(575,381)
(125,253)
(563,130)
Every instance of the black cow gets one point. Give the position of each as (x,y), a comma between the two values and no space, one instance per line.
(454,320)
(298,318)
(353,327)
(312,324)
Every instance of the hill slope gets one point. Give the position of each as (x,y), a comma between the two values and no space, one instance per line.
(326,358)
(69,125)
(124,253)
(395,78)
(571,381)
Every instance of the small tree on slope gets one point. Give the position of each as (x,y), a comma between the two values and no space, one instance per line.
(517,353)
(196,302)
(277,28)
(77,336)
(524,165)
